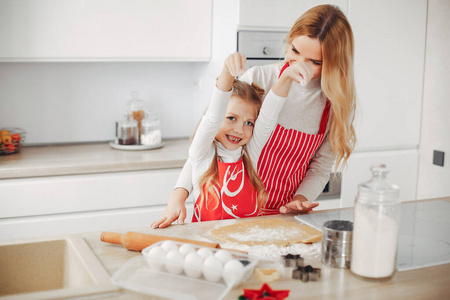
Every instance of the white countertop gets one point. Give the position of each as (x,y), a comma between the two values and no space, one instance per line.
(90,158)
(424,283)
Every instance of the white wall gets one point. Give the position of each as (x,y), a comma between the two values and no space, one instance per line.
(434,181)
(77,102)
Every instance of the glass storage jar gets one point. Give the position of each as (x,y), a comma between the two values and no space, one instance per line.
(138,109)
(376,226)
(150,133)
(127,131)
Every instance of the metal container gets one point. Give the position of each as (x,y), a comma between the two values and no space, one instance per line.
(337,243)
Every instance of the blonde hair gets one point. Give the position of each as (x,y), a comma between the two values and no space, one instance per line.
(329,25)
(210,179)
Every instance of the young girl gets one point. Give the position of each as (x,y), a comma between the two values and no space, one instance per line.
(315,126)
(228,142)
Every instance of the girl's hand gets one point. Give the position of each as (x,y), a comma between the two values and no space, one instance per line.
(298,205)
(298,72)
(235,64)
(175,210)
(232,67)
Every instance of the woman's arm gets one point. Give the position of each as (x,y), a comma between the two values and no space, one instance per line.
(313,183)
(318,173)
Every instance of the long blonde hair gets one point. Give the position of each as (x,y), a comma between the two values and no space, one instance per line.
(329,25)
(210,179)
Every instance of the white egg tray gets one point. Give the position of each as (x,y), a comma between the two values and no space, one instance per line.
(173,270)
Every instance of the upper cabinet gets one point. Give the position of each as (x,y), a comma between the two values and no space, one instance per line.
(390,39)
(277,15)
(105,30)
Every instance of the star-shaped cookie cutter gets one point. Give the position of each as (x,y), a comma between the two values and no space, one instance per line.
(306,273)
(293,261)
(265,292)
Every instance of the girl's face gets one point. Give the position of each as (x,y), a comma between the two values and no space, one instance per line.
(307,50)
(237,127)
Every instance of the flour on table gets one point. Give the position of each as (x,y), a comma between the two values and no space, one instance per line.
(269,237)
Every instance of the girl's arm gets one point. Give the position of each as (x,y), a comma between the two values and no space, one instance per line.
(202,144)
(176,209)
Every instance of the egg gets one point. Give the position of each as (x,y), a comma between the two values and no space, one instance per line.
(169,245)
(233,272)
(155,257)
(185,249)
(174,262)
(212,269)
(223,255)
(193,265)
(205,252)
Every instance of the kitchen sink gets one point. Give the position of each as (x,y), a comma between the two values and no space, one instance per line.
(51,268)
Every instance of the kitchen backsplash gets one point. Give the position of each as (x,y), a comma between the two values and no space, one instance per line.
(80,102)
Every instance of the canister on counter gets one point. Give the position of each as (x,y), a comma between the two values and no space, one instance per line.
(138,109)
(337,243)
(127,131)
(150,133)
(377,220)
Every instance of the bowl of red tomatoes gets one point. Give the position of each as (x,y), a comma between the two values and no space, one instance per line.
(11,140)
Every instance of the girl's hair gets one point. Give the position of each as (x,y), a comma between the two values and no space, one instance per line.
(329,25)
(210,179)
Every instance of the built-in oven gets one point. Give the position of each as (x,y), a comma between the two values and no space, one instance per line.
(262,47)
(268,47)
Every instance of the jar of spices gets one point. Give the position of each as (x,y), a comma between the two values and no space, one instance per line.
(150,131)
(137,108)
(127,131)
(376,226)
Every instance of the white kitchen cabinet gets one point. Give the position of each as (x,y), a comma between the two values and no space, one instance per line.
(402,165)
(105,30)
(277,15)
(79,203)
(389,71)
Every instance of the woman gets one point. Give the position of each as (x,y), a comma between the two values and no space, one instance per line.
(315,127)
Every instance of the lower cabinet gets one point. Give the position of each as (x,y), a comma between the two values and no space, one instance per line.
(42,206)
(402,165)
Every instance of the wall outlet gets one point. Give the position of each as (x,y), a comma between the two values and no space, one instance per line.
(438,158)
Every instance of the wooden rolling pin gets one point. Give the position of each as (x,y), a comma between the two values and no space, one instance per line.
(137,241)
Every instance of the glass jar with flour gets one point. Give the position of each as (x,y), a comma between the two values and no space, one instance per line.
(376,226)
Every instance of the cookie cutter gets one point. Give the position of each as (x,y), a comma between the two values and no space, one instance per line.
(293,261)
(306,273)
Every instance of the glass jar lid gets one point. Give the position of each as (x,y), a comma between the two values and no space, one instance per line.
(378,187)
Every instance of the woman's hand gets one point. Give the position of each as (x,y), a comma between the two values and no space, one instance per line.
(298,205)
(175,210)
(298,72)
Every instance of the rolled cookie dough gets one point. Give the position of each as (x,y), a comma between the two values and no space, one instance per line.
(266,232)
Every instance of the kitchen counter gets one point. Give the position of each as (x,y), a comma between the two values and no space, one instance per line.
(90,158)
(425,283)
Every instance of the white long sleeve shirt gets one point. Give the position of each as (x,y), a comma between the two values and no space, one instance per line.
(202,150)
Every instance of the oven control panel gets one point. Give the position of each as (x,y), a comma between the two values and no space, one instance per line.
(262,45)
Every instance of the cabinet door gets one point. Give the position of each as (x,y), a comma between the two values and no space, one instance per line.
(276,15)
(82,193)
(105,30)
(389,66)
(402,165)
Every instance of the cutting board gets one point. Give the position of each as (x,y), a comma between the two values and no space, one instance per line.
(424,238)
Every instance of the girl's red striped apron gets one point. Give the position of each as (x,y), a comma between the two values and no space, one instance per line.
(236,197)
(285,160)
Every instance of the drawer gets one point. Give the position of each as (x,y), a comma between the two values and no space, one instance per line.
(81,193)
(75,223)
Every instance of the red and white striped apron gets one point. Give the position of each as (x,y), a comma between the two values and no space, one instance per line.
(236,196)
(285,160)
